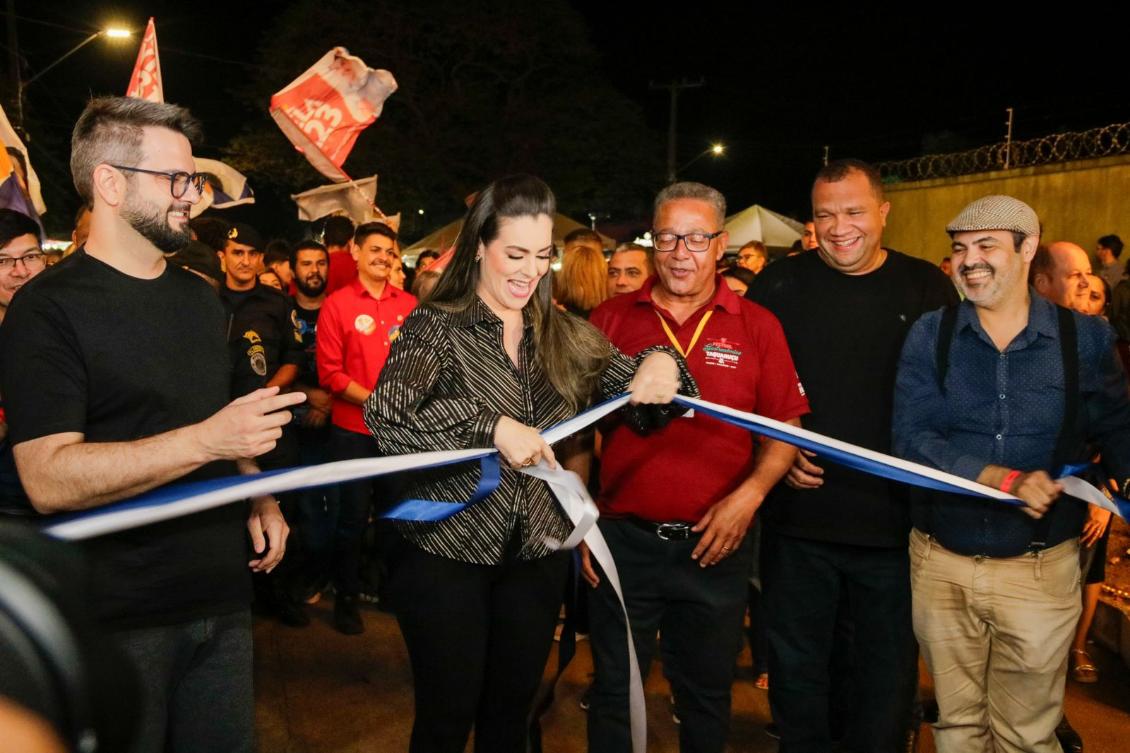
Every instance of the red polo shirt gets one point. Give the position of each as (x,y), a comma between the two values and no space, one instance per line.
(740,360)
(355,331)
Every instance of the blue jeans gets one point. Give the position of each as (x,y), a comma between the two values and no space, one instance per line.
(699,612)
(196,688)
(316,510)
(355,499)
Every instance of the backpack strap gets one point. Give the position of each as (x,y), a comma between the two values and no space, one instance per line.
(1068,438)
(941,367)
(945,339)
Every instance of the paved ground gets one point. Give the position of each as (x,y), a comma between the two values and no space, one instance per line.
(317,690)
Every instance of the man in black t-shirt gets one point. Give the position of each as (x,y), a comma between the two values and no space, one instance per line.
(117,384)
(834,553)
(310,262)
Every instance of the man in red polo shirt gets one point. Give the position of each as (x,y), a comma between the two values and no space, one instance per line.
(355,329)
(675,505)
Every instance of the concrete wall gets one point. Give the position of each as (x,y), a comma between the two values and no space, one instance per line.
(1077,201)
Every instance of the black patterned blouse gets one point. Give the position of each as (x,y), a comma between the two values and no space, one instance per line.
(447,382)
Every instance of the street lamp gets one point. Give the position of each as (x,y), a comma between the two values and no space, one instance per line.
(715,150)
(21,85)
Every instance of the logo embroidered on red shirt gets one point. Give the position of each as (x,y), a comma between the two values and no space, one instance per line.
(722,352)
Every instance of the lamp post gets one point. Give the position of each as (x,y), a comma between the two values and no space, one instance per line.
(21,85)
(716,150)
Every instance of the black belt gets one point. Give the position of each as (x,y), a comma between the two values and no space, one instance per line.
(673,531)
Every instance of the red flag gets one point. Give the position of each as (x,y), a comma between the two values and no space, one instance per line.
(324,110)
(145,83)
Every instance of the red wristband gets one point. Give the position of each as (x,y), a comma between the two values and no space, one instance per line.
(1006,485)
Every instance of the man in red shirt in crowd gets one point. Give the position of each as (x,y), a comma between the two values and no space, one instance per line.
(355,329)
(675,505)
(337,235)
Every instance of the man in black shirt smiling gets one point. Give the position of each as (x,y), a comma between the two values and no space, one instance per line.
(835,540)
(118,384)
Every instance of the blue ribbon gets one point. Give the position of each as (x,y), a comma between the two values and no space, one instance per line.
(430,510)
(874,468)
(165,495)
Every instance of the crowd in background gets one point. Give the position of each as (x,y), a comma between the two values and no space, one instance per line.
(319,316)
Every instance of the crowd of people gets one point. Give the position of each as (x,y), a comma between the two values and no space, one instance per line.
(165,349)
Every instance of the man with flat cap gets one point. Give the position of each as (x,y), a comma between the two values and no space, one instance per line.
(1005,389)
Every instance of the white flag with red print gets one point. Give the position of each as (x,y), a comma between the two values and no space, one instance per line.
(145,83)
(324,110)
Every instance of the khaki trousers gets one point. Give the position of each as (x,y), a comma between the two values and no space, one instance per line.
(995,633)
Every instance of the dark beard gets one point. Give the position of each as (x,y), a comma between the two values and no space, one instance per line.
(308,291)
(155,228)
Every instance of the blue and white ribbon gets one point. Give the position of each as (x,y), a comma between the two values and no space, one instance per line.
(890,467)
(176,500)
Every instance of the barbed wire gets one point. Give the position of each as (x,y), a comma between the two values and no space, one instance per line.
(1059,147)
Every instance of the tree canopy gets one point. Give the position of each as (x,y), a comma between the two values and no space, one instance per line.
(486,88)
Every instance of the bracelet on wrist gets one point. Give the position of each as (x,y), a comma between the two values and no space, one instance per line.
(1009,480)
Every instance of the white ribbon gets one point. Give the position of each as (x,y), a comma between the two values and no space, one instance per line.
(574,498)
(123,518)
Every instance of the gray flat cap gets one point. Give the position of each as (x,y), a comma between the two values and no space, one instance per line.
(996,213)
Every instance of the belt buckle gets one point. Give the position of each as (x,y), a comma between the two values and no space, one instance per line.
(673,531)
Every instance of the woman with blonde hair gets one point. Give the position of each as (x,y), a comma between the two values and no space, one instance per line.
(582,284)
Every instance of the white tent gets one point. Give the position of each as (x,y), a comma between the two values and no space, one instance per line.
(760,224)
(442,239)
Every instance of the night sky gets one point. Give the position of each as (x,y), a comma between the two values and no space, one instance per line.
(780,85)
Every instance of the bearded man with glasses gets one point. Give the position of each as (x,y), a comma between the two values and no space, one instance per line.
(116,376)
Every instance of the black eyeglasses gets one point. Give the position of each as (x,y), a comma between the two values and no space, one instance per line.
(33,261)
(694,242)
(179,181)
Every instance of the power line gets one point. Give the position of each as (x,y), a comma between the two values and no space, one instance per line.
(41,22)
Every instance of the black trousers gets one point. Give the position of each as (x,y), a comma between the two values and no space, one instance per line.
(808,585)
(478,637)
(355,499)
(699,612)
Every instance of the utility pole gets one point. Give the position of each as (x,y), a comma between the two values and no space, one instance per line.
(14,62)
(672,129)
(1008,139)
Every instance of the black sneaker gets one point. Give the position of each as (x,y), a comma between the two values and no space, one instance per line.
(1068,738)
(347,617)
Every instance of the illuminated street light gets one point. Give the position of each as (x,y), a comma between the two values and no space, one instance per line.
(21,87)
(714,150)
